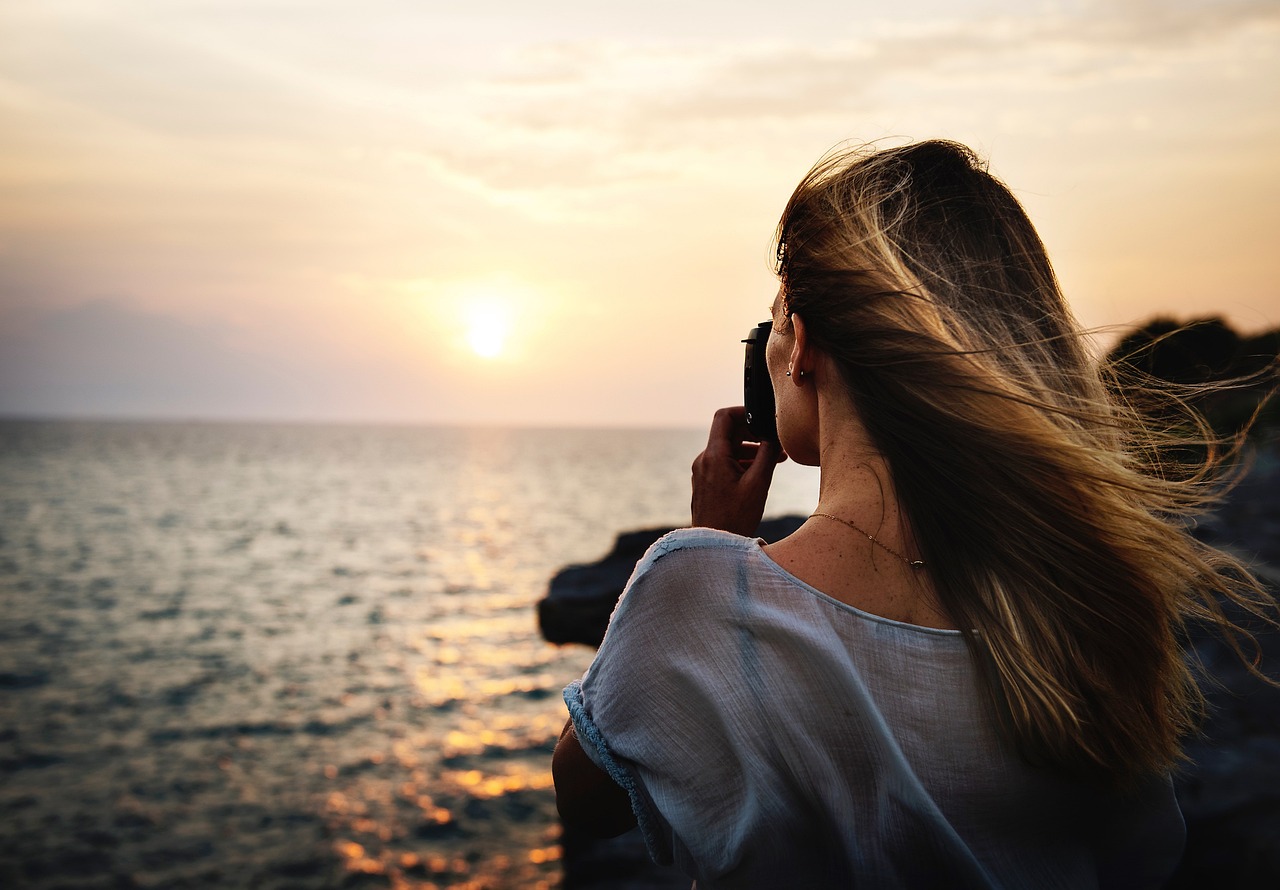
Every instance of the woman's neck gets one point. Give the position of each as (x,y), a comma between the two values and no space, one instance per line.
(856,480)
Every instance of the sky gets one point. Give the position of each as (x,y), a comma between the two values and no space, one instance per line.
(561,213)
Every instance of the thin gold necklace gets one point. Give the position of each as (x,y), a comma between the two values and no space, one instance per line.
(911,563)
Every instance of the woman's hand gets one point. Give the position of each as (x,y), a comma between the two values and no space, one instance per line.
(731,476)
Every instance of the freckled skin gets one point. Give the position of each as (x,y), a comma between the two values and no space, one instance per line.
(819,426)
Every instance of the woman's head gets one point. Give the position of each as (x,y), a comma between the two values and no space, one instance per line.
(1028,490)
(894,256)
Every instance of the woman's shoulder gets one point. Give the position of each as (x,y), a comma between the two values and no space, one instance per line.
(690,562)
(701,551)
(695,539)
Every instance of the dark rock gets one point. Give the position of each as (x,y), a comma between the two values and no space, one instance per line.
(1230,788)
(580,598)
(1235,849)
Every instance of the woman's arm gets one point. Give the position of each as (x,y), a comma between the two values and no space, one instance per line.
(588,800)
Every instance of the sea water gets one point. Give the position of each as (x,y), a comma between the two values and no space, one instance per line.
(248,655)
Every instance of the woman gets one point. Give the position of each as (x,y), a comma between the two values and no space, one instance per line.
(964,668)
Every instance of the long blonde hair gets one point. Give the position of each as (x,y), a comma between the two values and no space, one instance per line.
(1053,524)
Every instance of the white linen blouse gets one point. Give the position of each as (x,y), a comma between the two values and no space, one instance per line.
(769,735)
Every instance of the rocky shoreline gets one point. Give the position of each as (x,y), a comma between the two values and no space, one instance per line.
(1229,788)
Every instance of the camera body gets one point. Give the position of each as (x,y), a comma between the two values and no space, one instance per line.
(757,388)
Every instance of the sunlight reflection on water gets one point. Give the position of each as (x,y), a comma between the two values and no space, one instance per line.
(268,655)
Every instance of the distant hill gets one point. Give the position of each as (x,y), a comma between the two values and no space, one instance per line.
(1226,375)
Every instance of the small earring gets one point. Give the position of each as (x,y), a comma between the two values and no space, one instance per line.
(788,373)
(800,374)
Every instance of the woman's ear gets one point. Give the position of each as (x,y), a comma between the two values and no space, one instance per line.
(800,359)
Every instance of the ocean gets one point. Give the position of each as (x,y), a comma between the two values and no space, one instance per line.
(248,655)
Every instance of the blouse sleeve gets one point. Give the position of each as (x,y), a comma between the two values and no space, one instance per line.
(661,707)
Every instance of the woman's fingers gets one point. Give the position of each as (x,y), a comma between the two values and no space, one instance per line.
(731,477)
(766,456)
(728,428)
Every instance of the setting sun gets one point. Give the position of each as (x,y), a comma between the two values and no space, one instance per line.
(488,325)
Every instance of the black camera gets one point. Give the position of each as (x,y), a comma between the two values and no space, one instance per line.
(757,388)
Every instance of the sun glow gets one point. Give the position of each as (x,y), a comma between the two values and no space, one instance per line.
(488,325)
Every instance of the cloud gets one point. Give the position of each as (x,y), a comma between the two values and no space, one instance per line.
(790,79)
(557,126)
(576,116)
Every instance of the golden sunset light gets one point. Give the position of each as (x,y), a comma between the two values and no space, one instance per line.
(488,325)
(232,210)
